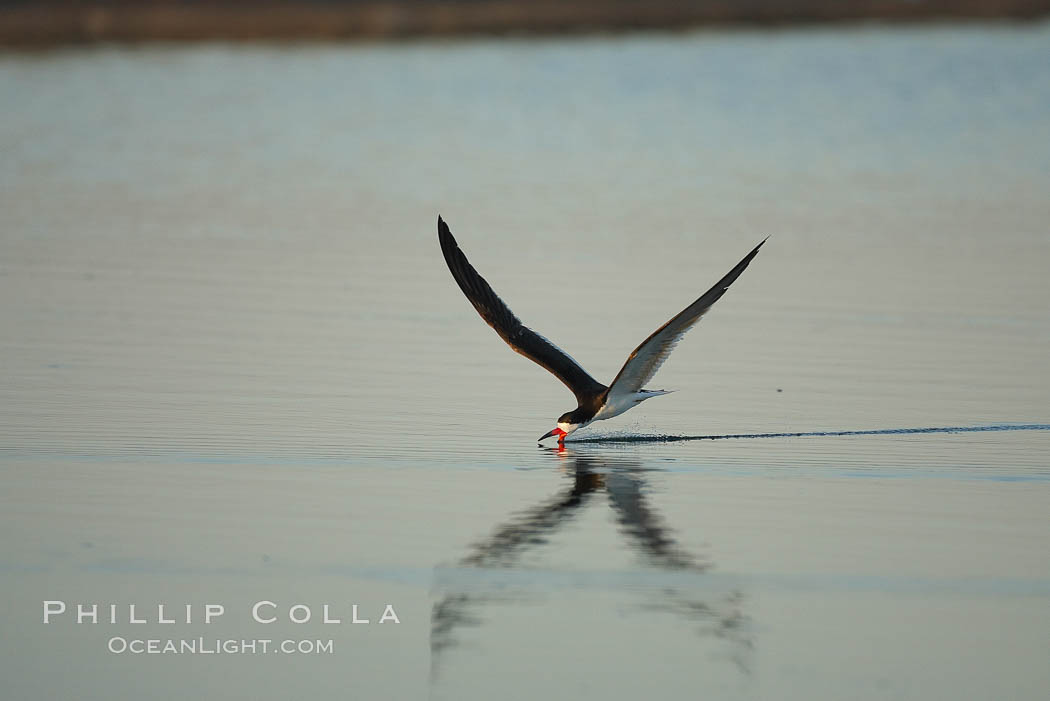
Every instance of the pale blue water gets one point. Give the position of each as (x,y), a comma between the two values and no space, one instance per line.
(235,367)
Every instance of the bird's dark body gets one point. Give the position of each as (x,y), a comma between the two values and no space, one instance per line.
(587,409)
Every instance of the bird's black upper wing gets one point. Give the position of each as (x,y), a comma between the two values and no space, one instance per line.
(647,358)
(518,336)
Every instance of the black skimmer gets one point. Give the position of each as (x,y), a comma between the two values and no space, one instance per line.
(596,401)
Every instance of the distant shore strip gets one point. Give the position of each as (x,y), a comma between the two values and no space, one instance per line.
(57,22)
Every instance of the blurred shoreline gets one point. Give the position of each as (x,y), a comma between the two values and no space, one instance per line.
(61,22)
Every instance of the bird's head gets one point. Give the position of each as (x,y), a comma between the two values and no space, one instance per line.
(567,423)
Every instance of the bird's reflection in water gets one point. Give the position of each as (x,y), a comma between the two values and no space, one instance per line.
(476,584)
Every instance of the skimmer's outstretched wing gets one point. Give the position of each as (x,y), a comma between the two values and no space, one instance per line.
(647,358)
(518,336)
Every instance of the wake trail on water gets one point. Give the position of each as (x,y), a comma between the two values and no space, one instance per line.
(669,438)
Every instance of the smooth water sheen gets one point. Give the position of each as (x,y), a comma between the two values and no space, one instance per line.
(236,368)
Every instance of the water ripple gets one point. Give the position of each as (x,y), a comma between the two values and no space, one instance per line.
(670,438)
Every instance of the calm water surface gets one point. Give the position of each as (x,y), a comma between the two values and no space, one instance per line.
(235,367)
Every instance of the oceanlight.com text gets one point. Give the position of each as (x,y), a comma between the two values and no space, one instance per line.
(217,646)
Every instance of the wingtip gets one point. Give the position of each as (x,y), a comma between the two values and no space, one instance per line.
(754,251)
